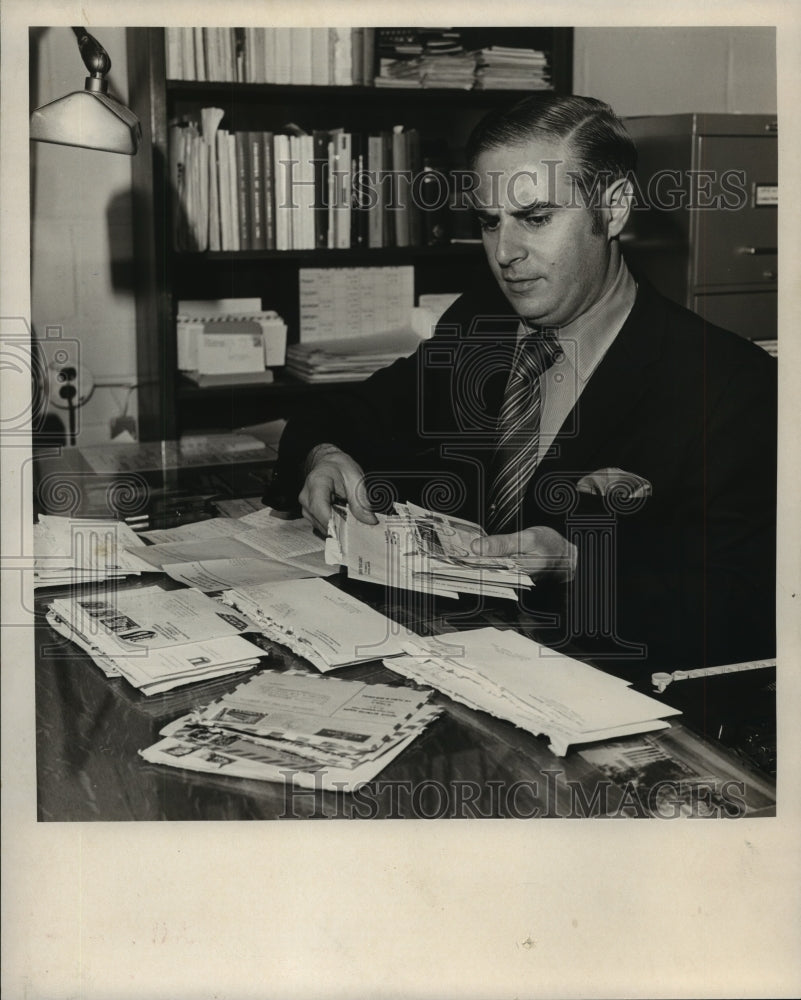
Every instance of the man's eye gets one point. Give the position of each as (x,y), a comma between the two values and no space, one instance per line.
(538,219)
(488,224)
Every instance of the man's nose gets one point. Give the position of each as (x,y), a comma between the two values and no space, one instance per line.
(509,247)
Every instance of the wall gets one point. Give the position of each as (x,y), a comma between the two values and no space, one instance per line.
(81,237)
(642,71)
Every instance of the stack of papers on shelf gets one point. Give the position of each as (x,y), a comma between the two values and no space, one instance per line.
(229,341)
(349,358)
(157,639)
(224,552)
(536,688)
(503,68)
(326,626)
(418,549)
(70,550)
(311,731)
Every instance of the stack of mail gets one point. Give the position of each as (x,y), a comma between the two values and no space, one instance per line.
(324,625)
(418,549)
(157,639)
(349,358)
(71,550)
(224,552)
(536,688)
(304,729)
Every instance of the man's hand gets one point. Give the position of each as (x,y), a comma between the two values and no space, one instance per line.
(330,473)
(540,552)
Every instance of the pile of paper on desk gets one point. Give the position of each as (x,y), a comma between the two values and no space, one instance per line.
(418,549)
(317,621)
(224,552)
(73,550)
(312,731)
(157,639)
(536,688)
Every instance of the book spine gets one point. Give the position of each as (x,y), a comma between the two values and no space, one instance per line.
(256,190)
(320,68)
(233,191)
(282,55)
(301,56)
(400,204)
(375,225)
(269,190)
(173,51)
(368,56)
(386,191)
(243,189)
(200,55)
(320,141)
(187,53)
(270,72)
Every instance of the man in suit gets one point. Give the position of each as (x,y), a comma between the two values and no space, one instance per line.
(615,441)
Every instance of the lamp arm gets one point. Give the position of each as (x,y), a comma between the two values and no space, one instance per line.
(95,58)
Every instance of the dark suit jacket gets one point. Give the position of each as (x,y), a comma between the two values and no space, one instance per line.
(682,578)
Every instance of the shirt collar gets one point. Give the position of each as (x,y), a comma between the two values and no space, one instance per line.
(588,337)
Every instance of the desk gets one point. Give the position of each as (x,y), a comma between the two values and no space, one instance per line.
(466,764)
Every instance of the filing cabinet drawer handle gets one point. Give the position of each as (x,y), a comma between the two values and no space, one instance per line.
(754,251)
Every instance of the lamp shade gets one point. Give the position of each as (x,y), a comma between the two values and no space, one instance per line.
(88,118)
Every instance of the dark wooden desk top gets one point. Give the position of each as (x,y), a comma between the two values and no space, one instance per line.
(466,764)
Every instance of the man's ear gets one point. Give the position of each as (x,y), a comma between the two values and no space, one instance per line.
(618,199)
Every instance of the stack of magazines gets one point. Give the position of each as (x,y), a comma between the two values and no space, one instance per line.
(303,729)
(502,68)
(157,639)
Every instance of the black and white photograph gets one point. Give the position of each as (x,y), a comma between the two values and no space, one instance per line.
(397,427)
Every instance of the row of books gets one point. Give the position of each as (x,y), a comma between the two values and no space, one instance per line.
(329,189)
(297,56)
(381,57)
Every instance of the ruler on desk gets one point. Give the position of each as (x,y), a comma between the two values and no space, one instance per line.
(662,679)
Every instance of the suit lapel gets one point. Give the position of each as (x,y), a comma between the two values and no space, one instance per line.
(614,392)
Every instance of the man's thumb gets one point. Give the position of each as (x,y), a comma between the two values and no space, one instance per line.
(494,545)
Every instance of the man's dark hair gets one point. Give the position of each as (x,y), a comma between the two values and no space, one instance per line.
(602,148)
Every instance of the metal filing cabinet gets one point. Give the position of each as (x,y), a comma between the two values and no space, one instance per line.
(703,228)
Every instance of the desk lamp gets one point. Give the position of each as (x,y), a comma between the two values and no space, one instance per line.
(89,118)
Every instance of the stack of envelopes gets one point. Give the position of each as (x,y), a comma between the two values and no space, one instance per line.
(157,639)
(304,729)
(319,622)
(537,688)
(419,549)
(73,550)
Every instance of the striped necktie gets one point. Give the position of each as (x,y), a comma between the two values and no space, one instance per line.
(518,444)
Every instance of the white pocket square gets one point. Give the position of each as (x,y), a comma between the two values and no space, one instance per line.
(624,485)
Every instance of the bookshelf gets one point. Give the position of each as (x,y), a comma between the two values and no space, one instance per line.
(169,404)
